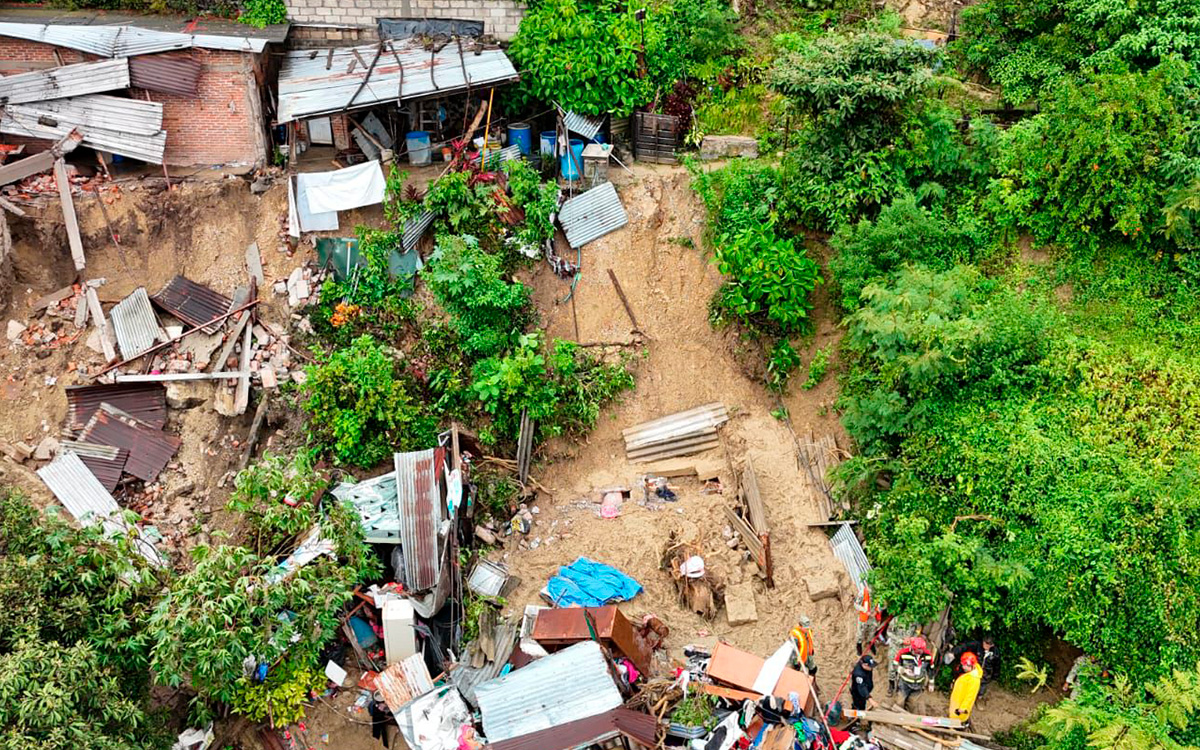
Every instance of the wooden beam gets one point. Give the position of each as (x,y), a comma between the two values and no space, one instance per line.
(260,415)
(164,377)
(11,207)
(68,209)
(218,363)
(101,323)
(902,719)
(30,165)
(242,396)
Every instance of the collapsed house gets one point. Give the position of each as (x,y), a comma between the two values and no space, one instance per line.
(157,89)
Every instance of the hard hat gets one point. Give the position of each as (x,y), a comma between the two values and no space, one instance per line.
(805,622)
(919,643)
(969,661)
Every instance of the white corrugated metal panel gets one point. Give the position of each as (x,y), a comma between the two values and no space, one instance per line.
(418,494)
(135,324)
(583,125)
(375,501)
(847,549)
(591,215)
(499,156)
(81,493)
(65,81)
(405,70)
(679,434)
(415,229)
(565,686)
(125,41)
(128,127)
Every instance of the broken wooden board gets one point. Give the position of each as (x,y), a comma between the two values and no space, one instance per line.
(241,296)
(41,303)
(701,468)
(242,396)
(902,719)
(254,265)
(101,323)
(69,217)
(820,456)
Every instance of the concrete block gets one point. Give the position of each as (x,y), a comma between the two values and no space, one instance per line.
(822,585)
(728,146)
(739,604)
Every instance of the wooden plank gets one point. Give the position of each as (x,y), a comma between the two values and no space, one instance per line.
(41,303)
(101,323)
(164,377)
(12,208)
(896,738)
(241,397)
(754,502)
(30,165)
(254,264)
(902,719)
(68,209)
(743,529)
(218,364)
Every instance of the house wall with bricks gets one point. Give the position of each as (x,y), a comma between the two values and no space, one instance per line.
(354,21)
(222,125)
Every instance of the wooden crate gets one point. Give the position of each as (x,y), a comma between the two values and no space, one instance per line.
(656,137)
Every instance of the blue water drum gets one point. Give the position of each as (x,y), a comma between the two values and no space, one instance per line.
(572,161)
(521,133)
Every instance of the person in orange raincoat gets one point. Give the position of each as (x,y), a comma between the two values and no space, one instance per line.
(966,688)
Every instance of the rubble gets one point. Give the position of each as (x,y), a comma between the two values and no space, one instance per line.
(740,608)
(823,585)
(46,449)
(15,329)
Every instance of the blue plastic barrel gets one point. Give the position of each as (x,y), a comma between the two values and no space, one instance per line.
(419,149)
(572,161)
(548,139)
(521,134)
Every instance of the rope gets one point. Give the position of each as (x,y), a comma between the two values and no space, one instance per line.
(878,631)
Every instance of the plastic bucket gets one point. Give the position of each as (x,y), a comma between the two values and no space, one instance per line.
(572,161)
(521,134)
(548,139)
(419,149)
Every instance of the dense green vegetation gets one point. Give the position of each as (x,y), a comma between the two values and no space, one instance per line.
(1020,304)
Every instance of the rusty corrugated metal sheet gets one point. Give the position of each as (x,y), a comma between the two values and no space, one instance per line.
(149,449)
(191,302)
(146,402)
(105,461)
(418,492)
(171,73)
(404,680)
(637,726)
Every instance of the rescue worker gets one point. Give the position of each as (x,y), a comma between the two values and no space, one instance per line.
(862,682)
(804,654)
(898,635)
(966,688)
(914,664)
(868,619)
(989,659)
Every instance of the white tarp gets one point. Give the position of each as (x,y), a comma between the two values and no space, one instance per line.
(318,196)
(343,189)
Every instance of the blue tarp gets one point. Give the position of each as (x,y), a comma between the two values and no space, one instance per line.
(585,583)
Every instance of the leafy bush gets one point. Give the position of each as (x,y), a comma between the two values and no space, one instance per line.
(260,13)
(463,205)
(562,389)
(781,364)
(817,367)
(360,410)
(538,200)
(487,312)
(278,498)
(234,610)
(74,650)
(904,232)
(281,697)
(1096,166)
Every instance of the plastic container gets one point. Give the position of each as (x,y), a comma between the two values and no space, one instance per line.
(572,161)
(548,139)
(419,148)
(521,133)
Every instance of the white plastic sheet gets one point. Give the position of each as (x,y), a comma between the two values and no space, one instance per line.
(343,189)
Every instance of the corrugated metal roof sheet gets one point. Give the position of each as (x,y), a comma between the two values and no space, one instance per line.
(405,70)
(467,678)
(375,501)
(488,578)
(678,434)
(636,725)
(847,549)
(129,127)
(583,125)
(418,494)
(105,461)
(150,449)
(591,215)
(177,73)
(415,229)
(135,324)
(87,501)
(404,680)
(558,689)
(191,302)
(146,402)
(499,156)
(64,81)
(121,41)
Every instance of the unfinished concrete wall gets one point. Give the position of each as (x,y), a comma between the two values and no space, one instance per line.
(500,17)
(222,125)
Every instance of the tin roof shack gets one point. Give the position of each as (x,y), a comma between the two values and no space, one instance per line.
(200,82)
(366,98)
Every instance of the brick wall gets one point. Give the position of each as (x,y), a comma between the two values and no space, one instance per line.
(224,125)
(500,17)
